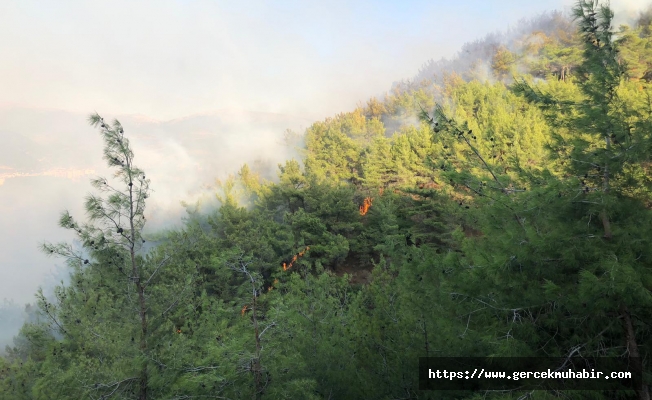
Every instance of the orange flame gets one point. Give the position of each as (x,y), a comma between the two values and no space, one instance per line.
(365,205)
(244,309)
(286,267)
(178,330)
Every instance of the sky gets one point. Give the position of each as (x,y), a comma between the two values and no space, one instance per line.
(171,59)
(200,86)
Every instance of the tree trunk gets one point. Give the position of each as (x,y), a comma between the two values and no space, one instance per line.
(143,341)
(632,347)
(142,395)
(605,224)
(256,368)
(603,215)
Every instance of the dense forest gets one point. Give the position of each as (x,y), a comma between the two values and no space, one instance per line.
(496,205)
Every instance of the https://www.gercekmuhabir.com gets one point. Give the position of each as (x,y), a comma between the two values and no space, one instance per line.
(518,373)
(570,374)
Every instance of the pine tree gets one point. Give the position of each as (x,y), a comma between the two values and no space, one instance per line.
(242,266)
(103,347)
(560,258)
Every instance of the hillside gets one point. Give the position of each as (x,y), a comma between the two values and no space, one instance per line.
(495,205)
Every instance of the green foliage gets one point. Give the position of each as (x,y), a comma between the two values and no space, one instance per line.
(512,221)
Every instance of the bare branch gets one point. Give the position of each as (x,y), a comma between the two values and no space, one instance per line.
(160,264)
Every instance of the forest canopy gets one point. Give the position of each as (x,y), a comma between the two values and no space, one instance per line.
(493,206)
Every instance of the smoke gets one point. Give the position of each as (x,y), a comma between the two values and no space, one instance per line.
(13,316)
(628,12)
(182,158)
(475,58)
(185,157)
